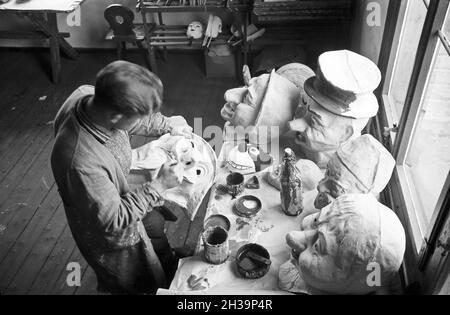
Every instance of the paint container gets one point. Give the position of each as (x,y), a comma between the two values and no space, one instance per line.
(235,184)
(215,242)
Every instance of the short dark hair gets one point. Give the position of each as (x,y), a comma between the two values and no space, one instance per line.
(115,89)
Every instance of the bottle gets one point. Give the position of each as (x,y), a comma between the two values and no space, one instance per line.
(291,185)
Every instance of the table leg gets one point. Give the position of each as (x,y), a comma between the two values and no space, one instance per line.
(67,49)
(55,53)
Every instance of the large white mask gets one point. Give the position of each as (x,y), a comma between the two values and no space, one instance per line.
(348,239)
(198,159)
(267,101)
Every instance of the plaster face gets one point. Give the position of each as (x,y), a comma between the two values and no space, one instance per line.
(360,166)
(268,101)
(333,252)
(320,132)
(337,182)
(318,254)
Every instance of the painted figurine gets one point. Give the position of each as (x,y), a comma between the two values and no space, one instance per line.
(291,185)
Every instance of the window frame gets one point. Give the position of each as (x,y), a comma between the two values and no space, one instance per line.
(397,134)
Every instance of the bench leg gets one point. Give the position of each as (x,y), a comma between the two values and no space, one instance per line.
(119,50)
(152,56)
(150,49)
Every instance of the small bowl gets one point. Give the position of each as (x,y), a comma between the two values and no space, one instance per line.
(249,267)
(243,211)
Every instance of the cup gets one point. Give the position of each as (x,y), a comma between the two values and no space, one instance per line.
(235,184)
(215,242)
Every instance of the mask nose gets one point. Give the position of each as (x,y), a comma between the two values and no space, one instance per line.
(298,125)
(299,241)
(322,200)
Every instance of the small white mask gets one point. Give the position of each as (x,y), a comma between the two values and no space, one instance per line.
(195,30)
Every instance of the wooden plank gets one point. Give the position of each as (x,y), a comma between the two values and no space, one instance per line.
(55,262)
(36,258)
(88,283)
(22,35)
(22,245)
(52,244)
(18,161)
(61,287)
(29,116)
(11,92)
(16,200)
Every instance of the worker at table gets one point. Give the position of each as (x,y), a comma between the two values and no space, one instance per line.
(119,231)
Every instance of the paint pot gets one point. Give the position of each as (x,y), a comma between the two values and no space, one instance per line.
(235,184)
(215,242)
(247,206)
(217,220)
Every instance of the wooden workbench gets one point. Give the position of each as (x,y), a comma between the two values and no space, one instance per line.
(43,13)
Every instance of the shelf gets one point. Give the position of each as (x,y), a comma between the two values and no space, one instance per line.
(152,7)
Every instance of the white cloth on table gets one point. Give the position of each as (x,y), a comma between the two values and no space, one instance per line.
(268,228)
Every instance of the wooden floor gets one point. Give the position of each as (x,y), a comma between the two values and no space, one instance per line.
(35,242)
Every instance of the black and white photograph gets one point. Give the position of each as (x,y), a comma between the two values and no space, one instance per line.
(219,154)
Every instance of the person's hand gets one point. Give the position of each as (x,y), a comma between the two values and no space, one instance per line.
(185,131)
(228,110)
(169,176)
(179,127)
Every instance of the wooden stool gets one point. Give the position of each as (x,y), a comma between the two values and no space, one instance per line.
(123,30)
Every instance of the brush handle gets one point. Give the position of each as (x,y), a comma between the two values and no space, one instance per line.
(259,258)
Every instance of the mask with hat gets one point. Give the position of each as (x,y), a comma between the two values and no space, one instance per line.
(362,165)
(341,103)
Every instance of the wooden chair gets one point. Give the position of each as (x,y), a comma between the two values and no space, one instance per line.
(123,30)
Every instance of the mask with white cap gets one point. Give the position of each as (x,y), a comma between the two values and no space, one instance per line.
(362,165)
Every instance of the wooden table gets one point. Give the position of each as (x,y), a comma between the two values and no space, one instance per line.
(42,13)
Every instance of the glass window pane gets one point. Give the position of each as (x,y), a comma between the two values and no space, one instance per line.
(428,158)
(446,28)
(409,41)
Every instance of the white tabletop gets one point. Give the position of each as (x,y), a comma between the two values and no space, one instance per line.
(41,5)
(267,228)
